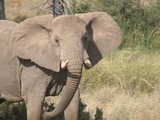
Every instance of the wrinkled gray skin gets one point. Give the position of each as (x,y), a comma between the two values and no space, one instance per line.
(32,51)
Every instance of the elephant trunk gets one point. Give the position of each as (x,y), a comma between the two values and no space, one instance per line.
(73,80)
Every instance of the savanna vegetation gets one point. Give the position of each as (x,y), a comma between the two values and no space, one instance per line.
(126,84)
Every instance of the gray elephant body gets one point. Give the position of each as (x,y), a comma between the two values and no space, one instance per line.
(43,56)
(9,87)
(20,77)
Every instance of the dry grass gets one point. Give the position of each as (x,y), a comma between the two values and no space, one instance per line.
(28,8)
(125,85)
(133,70)
(118,105)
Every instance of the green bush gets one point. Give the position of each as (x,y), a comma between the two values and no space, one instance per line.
(99,114)
(17,111)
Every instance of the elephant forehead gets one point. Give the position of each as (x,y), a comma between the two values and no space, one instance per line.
(68,23)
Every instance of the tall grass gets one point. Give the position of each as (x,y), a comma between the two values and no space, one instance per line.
(117,105)
(135,71)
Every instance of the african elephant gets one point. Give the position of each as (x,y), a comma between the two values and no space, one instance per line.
(43,56)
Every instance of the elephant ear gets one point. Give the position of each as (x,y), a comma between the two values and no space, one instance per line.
(31,40)
(104,35)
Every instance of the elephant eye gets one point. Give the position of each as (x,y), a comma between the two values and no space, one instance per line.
(57,42)
(85,36)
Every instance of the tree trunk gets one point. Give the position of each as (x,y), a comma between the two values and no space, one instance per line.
(2,10)
(57,7)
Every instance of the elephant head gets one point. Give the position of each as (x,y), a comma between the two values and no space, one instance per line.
(66,42)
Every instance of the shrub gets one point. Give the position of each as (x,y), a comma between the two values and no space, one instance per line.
(17,111)
(99,114)
(13,111)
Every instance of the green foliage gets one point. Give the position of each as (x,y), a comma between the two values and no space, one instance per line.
(78,7)
(50,107)
(10,111)
(140,25)
(99,114)
(17,111)
(83,115)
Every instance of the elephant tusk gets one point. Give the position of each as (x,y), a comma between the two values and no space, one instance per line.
(64,64)
(88,63)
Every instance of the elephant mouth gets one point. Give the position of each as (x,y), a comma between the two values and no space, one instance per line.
(87,62)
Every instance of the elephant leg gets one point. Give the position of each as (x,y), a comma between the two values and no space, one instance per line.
(71,112)
(34,106)
(34,85)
